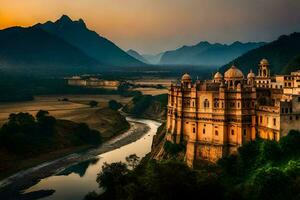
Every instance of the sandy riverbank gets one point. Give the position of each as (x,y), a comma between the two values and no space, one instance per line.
(12,187)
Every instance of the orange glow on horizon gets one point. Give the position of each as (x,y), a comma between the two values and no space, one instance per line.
(155,25)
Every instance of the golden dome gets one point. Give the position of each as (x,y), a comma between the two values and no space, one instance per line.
(218,75)
(264,62)
(234,73)
(250,75)
(186,77)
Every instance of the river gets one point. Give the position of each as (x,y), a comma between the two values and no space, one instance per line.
(77,180)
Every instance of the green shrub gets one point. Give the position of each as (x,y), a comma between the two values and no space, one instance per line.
(172,148)
(290,144)
(93,104)
(114,105)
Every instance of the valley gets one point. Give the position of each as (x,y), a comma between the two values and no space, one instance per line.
(151,100)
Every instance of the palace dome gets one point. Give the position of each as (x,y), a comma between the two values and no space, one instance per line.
(186,77)
(250,75)
(234,73)
(218,75)
(264,62)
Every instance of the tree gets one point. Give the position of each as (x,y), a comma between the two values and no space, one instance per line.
(19,133)
(41,114)
(290,143)
(270,151)
(45,122)
(114,105)
(93,104)
(271,183)
(112,176)
(132,160)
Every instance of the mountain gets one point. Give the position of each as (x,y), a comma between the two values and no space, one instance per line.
(280,53)
(33,50)
(136,55)
(205,53)
(77,34)
(153,59)
(293,65)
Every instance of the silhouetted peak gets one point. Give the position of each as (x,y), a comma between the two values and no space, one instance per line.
(132,51)
(81,22)
(203,43)
(64,19)
(237,43)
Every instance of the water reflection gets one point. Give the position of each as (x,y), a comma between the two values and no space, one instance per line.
(79,168)
(78,180)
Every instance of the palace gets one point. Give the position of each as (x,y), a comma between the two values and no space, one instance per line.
(93,82)
(215,117)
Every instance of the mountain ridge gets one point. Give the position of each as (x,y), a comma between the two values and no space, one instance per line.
(206,53)
(98,47)
(279,52)
(32,50)
(137,55)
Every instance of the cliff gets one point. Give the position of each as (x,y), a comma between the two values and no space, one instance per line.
(164,150)
(147,106)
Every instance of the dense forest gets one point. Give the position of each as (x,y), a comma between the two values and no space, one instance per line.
(260,170)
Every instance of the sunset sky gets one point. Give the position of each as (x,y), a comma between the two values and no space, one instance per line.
(152,26)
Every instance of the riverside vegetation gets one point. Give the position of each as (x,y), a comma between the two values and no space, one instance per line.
(25,137)
(260,170)
(31,140)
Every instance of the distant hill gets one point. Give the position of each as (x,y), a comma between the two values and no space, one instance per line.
(95,46)
(153,59)
(33,50)
(293,65)
(136,55)
(205,53)
(281,53)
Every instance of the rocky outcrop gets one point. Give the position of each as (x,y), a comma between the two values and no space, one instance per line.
(160,150)
(147,106)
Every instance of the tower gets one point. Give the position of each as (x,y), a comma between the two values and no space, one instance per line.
(264,70)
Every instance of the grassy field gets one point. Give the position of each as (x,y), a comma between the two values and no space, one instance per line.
(151,91)
(108,122)
(75,109)
(149,85)
(154,81)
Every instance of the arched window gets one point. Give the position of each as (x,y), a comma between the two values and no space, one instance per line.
(232,132)
(265,72)
(204,131)
(216,133)
(206,103)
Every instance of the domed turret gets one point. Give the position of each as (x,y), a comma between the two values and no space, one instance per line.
(264,70)
(234,74)
(264,62)
(218,76)
(250,75)
(186,81)
(186,78)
